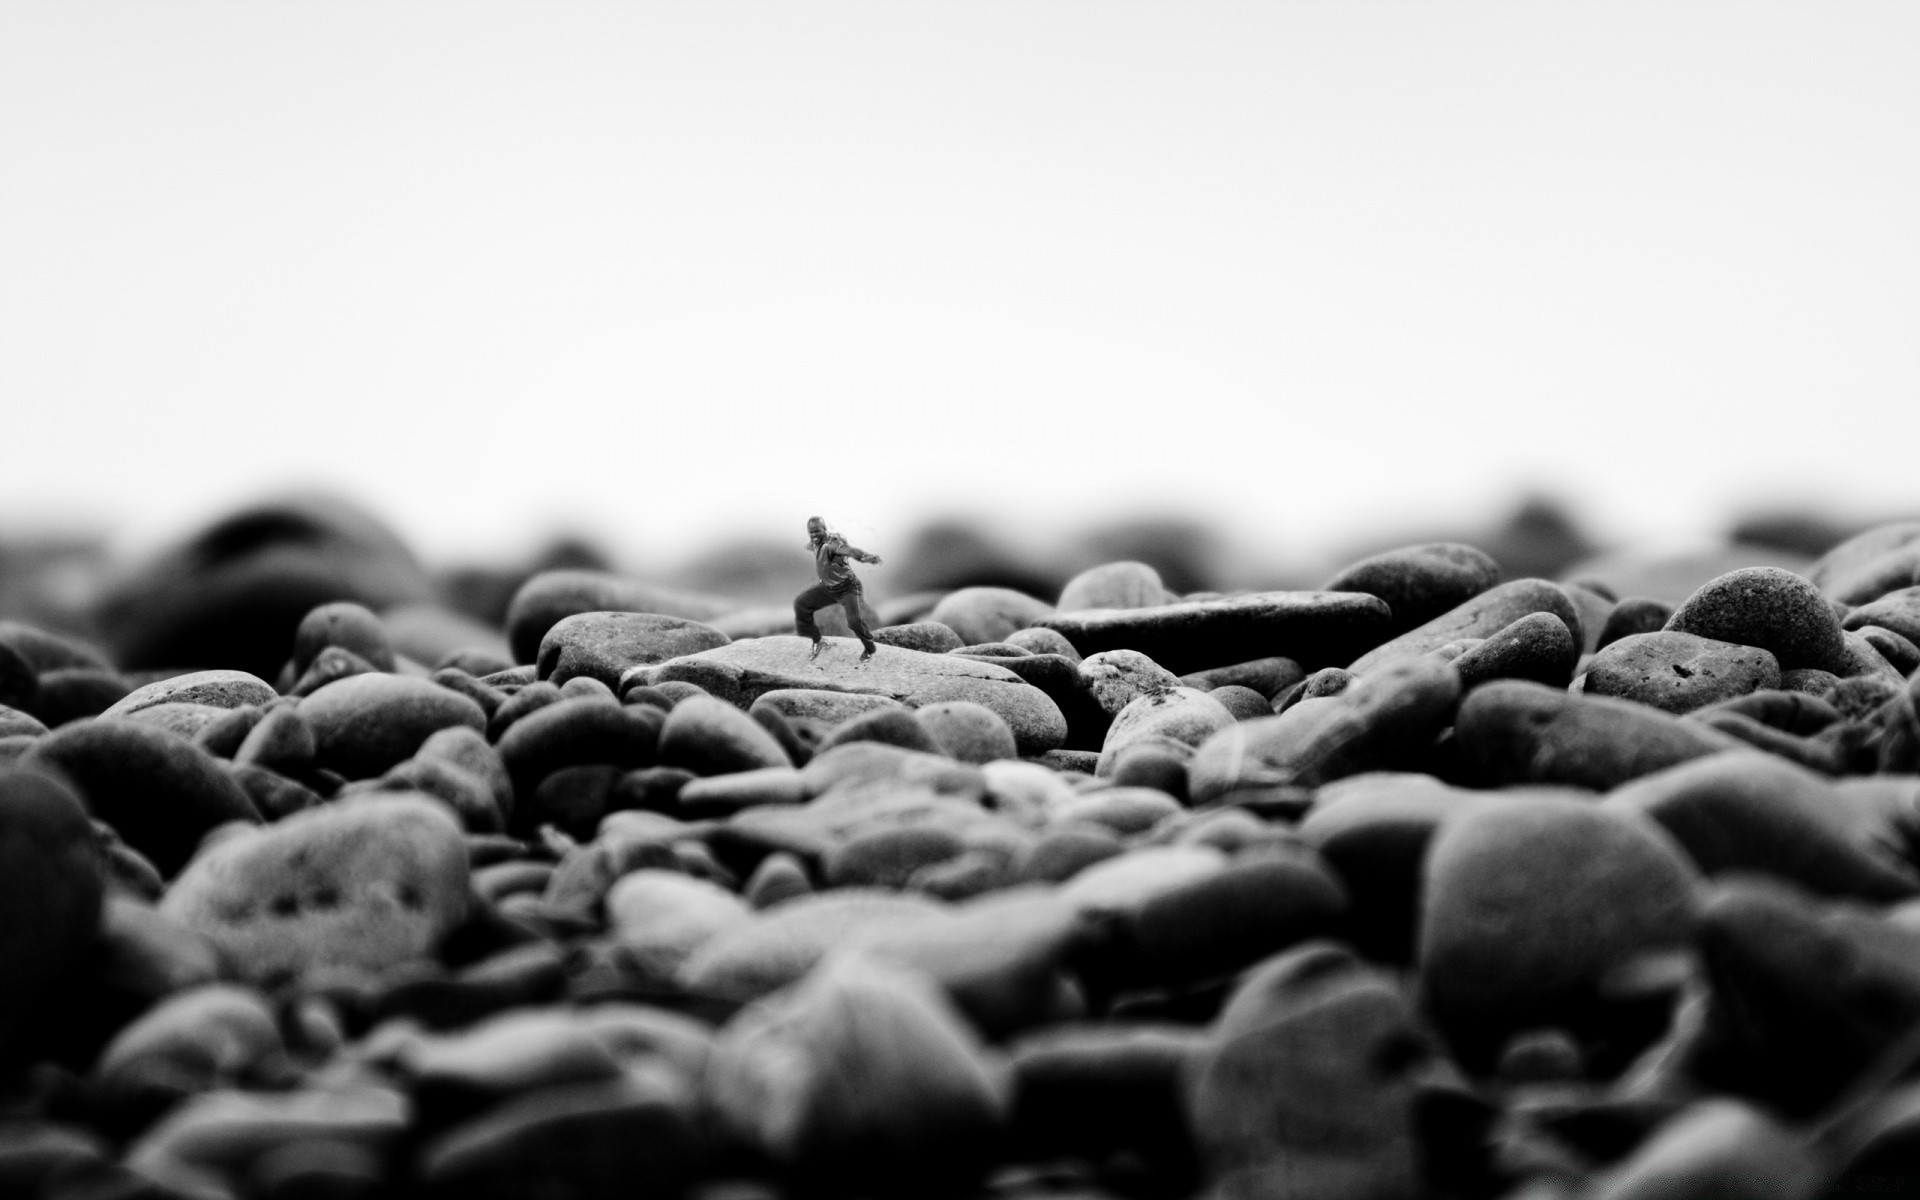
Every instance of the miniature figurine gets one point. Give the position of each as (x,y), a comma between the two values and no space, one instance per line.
(838,585)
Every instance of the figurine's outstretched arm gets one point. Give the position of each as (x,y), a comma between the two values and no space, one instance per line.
(856,552)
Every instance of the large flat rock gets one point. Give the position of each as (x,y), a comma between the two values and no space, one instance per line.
(1314,629)
(746,670)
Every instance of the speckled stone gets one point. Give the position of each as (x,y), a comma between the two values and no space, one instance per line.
(1679,672)
(1776,610)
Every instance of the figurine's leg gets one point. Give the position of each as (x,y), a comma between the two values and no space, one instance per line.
(850,604)
(804,606)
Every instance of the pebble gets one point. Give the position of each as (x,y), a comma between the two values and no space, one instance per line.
(233,594)
(552,596)
(569,733)
(1743,812)
(210,1145)
(1116,678)
(987,614)
(1510,731)
(281,740)
(218,689)
(1776,610)
(1538,646)
(606,645)
(351,627)
(1100,1093)
(1635,614)
(968,732)
(1898,611)
(331,664)
(784,942)
(364,724)
(52,886)
(158,790)
(890,726)
(1269,676)
(71,693)
(1528,906)
(186,720)
(214,1036)
(1314,629)
(744,671)
(1037,640)
(1718,1148)
(1486,614)
(711,737)
(862,1081)
(928,637)
(1421,582)
(1679,672)
(1126,584)
(1870,565)
(1379,723)
(1243,702)
(1181,715)
(14,723)
(1307,1084)
(368,883)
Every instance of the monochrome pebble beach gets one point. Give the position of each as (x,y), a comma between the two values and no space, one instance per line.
(1438,879)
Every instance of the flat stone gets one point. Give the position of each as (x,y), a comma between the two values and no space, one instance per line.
(1480,617)
(744,671)
(1116,678)
(1896,610)
(820,704)
(1679,672)
(663,917)
(1315,629)
(783,943)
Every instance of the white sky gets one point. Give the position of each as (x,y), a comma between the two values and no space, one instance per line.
(665,269)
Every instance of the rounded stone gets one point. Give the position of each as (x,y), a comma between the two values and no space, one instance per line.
(888,858)
(1037,639)
(889,726)
(52,886)
(987,614)
(1243,702)
(1679,672)
(1511,731)
(606,645)
(217,689)
(1482,616)
(1529,904)
(364,724)
(1125,584)
(552,596)
(862,1081)
(786,941)
(928,637)
(662,917)
(1776,610)
(967,731)
(1635,614)
(578,733)
(1116,678)
(708,736)
(1421,582)
(367,883)
(1180,714)
(1538,646)
(159,791)
(352,627)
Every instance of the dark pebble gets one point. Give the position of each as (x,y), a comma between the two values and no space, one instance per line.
(1776,610)
(1635,614)
(158,790)
(1538,647)
(1420,583)
(1314,629)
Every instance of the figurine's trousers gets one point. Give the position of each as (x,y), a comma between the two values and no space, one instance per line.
(821,596)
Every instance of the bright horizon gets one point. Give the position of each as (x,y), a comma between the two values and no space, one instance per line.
(665,272)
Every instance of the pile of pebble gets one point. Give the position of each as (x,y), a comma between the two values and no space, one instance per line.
(1420,884)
